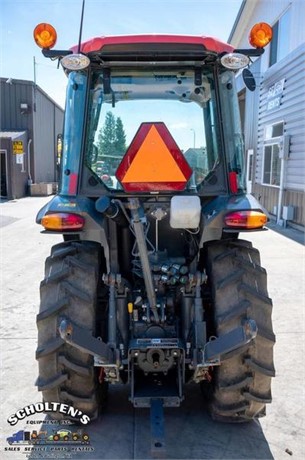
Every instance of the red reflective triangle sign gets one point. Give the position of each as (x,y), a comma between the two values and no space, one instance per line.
(153,162)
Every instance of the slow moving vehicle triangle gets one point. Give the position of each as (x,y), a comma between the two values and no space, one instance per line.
(153,161)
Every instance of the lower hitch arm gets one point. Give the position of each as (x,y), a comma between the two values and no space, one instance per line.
(230,341)
(80,338)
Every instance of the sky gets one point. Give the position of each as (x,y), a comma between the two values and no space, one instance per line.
(18,19)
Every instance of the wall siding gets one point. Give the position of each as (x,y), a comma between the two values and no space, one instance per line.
(12,95)
(268,197)
(44,133)
(291,112)
(42,123)
(297,199)
(292,108)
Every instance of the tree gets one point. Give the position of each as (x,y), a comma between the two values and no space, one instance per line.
(112,138)
(120,137)
(106,137)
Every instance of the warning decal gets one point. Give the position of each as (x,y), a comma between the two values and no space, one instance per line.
(18,147)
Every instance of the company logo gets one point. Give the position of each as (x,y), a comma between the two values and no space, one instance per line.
(37,408)
(45,437)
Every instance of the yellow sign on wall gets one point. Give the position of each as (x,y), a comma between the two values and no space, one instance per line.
(18,147)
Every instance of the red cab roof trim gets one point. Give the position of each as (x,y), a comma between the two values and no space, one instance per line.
(210,43)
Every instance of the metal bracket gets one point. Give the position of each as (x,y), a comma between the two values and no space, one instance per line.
(80,338)
(157,428)
(219,346)
(104,356)
(230,341)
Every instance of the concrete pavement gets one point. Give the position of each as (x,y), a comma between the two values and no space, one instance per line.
(122,432)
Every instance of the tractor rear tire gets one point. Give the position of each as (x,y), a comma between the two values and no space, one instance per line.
(238,283)
(69,291)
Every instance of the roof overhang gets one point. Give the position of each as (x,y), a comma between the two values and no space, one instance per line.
(100,44)
(243,17)
(12,134)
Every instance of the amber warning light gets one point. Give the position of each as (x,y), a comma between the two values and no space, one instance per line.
(260,35)
(45,35)
(153,162)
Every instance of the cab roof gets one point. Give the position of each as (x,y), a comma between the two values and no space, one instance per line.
(208,44)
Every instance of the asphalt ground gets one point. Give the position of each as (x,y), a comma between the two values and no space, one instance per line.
(123,432)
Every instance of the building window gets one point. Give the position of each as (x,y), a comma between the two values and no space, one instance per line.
(272,162)
(272,165)
(279,47)
(273,131)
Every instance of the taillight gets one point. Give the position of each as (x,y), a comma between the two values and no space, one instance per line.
(62,221)
(245,219)
(233,182)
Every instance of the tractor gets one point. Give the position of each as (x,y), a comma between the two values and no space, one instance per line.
(152,286)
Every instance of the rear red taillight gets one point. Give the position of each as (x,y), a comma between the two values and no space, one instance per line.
(233,182)
(62,221)
(246,219)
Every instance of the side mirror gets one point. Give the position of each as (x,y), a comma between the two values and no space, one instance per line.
(249,80)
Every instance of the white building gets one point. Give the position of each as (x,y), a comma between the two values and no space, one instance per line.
(273,115)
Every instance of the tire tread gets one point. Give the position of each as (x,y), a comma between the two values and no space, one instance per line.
(69,290)
(238,284)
